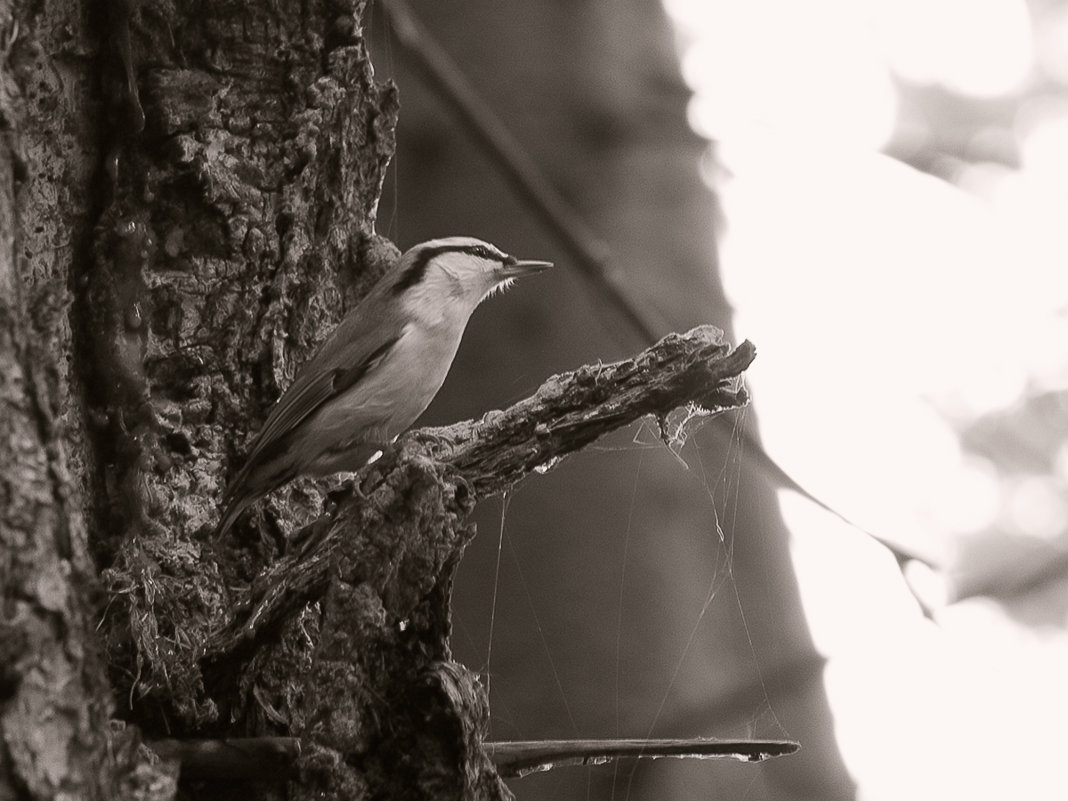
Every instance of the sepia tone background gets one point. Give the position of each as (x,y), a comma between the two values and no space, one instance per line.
(880,188)
(189,202)
(619,609)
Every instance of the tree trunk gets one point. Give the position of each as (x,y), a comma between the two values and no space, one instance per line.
(188,194)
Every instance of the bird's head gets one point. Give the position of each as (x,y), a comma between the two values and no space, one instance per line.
(446,277)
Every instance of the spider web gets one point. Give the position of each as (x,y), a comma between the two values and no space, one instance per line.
(719,482)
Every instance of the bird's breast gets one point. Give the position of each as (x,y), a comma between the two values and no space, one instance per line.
(423,358)
(389,398)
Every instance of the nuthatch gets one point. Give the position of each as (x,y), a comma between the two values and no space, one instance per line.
(378,370)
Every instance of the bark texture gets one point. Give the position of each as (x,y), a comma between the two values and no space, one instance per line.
(55,702)
(244,164)
(187,197)
(187,202)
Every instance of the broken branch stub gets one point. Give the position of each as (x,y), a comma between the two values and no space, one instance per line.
(571,410)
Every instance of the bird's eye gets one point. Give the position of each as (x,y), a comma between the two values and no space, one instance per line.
(483,252)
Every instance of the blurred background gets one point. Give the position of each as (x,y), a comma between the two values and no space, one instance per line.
(875,193)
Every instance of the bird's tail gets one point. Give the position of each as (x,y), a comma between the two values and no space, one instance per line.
(234,508)
(248,486)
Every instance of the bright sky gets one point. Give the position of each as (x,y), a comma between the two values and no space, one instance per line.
(892,309)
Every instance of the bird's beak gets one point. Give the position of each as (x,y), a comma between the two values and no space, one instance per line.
(521,269)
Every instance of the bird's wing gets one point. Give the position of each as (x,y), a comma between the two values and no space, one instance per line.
(337,366)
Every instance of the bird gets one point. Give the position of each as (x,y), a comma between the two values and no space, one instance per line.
(377,371)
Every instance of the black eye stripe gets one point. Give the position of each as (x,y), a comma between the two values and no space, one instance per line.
(415,272)
(484,252)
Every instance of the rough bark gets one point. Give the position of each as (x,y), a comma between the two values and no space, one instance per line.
(187,201)
(55,701)
(239,222)
(186,191)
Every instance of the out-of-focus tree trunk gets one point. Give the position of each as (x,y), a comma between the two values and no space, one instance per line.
(593,91)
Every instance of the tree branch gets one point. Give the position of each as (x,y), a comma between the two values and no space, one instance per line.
(274,757)
(476,459)
(572,410)
(519,758)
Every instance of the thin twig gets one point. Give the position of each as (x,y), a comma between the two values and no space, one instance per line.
(523,757)
(274,757)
